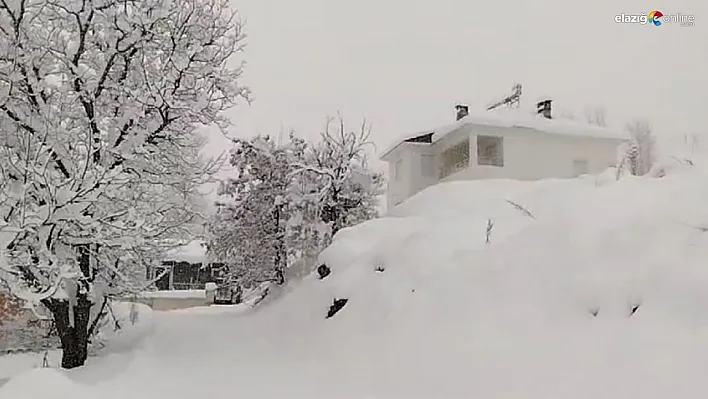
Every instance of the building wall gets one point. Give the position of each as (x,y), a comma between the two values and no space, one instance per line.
(163,304)
(532,156)
(411,179)
(21,330)
(9,309)
(528,155)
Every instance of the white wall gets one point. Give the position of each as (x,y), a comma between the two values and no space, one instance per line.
(530,155)
(399,183)
(412,179)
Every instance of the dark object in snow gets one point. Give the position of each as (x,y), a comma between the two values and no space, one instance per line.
(594,312)
(379,269)
(228,294)
(633,310)
(337,305)
(323,271)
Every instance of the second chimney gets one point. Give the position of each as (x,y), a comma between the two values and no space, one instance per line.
(544,108)
(462,111)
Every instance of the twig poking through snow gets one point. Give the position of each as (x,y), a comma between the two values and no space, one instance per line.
(522,209)
(702,229)
(490,227)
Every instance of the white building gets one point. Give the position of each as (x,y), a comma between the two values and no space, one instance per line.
(503,143)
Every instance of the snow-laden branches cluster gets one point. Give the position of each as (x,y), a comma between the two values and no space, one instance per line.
(286,201)
(337,165)
(251,226)
(640,155)
(99,164)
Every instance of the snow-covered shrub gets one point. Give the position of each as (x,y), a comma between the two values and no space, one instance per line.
(285,201)
(640,154)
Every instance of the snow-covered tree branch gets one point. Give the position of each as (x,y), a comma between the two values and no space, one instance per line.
(99,105)
(338,165)
(640,153)
(286,201)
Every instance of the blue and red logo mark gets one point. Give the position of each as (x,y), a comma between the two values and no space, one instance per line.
(655,17)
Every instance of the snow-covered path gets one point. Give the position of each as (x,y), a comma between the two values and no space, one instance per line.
(224,354)
(212,351)
(187,353)
(195,353)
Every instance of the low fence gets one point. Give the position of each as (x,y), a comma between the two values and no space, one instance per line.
(174,300)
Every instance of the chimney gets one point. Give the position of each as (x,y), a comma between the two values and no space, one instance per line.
(462,111)
(544,108)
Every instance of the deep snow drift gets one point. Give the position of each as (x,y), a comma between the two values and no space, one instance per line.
(588,288)
(134,322)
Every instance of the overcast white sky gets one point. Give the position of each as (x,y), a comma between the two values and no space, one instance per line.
(404,63)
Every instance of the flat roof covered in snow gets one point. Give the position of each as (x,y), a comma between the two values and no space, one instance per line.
(193,252)
(518,118)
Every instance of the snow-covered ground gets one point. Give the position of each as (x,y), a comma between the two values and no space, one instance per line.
(135,321)
(588,288)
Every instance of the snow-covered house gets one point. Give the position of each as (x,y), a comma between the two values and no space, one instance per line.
(503,143)
(185,268)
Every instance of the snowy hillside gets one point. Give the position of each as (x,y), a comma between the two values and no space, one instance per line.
(588,288)
(451,316)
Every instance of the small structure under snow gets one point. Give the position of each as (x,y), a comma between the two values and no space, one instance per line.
(186,268)
(192,252)
(504,143)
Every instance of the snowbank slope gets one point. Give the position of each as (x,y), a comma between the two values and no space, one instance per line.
(588,288)
(545,309)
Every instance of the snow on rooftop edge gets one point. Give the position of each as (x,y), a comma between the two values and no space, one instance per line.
(192,252)
(518,118)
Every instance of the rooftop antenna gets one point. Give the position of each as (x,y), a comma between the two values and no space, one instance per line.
(280,134)
(511,101)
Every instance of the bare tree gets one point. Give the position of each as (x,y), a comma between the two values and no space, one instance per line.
(338,167)
(596,116)
(640,154)
(99,158)
(488,231)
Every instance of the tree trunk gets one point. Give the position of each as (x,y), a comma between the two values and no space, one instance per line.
(280,250)
(73,336)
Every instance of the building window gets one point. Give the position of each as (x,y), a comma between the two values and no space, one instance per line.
(429,166)
(490,150)
(580,167)
(455,158)
(398,170)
